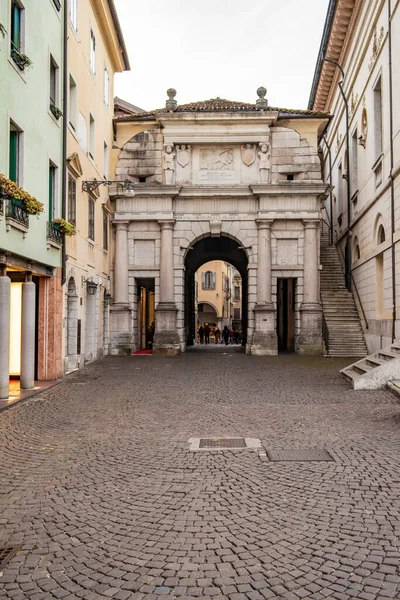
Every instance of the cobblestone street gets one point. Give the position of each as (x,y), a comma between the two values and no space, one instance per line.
(101,496)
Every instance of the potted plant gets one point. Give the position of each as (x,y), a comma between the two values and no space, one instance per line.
(65,227)
(10,191)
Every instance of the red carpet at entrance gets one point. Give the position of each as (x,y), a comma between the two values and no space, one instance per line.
(143,352)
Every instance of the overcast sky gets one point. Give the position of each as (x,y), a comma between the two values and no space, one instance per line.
(225,48)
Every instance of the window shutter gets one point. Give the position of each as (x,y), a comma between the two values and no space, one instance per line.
(214,278)
(203,281)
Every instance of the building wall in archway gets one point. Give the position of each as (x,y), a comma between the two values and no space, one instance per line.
(241,177)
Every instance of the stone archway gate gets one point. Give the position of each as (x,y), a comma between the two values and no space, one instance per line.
(218,168)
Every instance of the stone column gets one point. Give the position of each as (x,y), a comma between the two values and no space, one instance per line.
(120,311)
(166,339)
(121,290)
(5,292)
(311,313)
(28,318)
(265,341)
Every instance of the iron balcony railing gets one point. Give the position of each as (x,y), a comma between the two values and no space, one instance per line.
(17,212)
(54,233)
(1,206)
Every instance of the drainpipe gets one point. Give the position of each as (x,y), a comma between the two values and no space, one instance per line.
(64,144)
(330,191)
(392,206)
(347,252)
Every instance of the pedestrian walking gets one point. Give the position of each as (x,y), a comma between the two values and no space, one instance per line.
(225,335)
(217,335)
(201,334)
(207,331)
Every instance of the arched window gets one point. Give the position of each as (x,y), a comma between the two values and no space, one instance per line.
(356,250)
(381,234)
(208,280)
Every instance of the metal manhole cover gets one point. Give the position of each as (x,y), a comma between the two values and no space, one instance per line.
(223,443)
(6,554)
(299,455)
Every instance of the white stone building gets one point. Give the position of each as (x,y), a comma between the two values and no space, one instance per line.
(219,180)
(362,37)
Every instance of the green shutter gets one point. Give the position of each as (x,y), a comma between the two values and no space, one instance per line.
(13,168)
(16,26)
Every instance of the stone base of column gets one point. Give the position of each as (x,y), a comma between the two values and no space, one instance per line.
(166,340)
(310,341)
(264,341)
(120,330)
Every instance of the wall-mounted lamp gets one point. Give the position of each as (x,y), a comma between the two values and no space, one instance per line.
(107,299)
(91,286)
(91,185)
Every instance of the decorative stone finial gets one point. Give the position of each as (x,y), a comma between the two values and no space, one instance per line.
(171,104)
(262,102)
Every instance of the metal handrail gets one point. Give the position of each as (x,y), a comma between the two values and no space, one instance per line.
(325,330)
(357,294)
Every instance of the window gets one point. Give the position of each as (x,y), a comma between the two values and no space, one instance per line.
(91,218)
(52,191)
(106,159)
(53,96)
(105,230)
(237,293)
(73,13)
(236,314)
(92,57)
(354,163)
(15,152)
(73,103)
(381,235)
(208,280)
(339,207)
(378,118)
(57,4)
(16,49)
(92,136)
(71,200)
(106,88)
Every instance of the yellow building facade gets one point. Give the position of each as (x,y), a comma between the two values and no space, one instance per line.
(214,297)
(96,51)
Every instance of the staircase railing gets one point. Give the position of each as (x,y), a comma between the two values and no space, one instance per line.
(325,330)
(354,287)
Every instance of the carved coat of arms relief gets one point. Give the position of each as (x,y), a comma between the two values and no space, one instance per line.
(217,159)
(183,155)
(248,152)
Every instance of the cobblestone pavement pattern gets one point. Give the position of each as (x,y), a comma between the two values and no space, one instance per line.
(103,498)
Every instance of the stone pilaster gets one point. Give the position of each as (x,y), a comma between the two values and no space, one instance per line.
(265,341)
(5,292)
(166,339)
(311,313)
(120,312)
(28,318)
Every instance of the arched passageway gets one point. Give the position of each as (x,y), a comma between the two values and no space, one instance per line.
(205,250)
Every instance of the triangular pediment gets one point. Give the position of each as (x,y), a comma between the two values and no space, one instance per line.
(74,165)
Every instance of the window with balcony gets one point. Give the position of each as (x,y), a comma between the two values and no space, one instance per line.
(52,191)
(91,207)
(15,154)
(354,164)
(92,57)
(378,118)
(17,35)
(236,293)
(71,216)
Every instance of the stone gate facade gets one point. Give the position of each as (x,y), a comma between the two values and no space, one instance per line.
(218,169)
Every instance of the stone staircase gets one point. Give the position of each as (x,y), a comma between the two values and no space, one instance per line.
(376,370)
(346,337)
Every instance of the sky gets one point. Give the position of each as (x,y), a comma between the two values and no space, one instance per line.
(220,48)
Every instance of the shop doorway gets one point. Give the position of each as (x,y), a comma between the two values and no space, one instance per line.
(286,298)
(145,313)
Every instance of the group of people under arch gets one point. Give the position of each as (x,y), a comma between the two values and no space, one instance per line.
(207,334)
